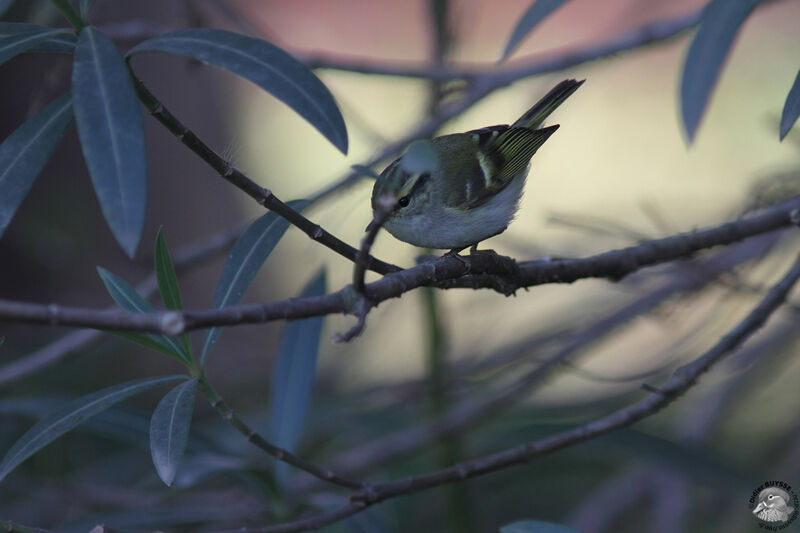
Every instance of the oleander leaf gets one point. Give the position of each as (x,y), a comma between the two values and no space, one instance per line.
(293,379)
(791,109)
(168,282)
(130,300)
(26,150)
(15,43)
(720,24)
(72,415)
(536,13)
(63,42)
(264,64)
(112,135)
(169,429)
(244,262)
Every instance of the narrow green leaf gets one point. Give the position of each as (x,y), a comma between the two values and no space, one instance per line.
(165,273)
(17,43)
(112,136)
(535,526)
(264,64)
(245,260)
(293,379)
(791,109)
(537,12)
(151,341)
(24,153)
(420,157)
(168,282)
(72,415)
(130,300)
(721,22)
(86,6)
(169,429)
(64,42)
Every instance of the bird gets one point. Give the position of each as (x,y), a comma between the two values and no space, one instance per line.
(473,192)
(773,505)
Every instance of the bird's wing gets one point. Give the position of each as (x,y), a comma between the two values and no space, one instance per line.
(503,152)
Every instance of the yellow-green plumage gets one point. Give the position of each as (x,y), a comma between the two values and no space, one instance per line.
(474,192)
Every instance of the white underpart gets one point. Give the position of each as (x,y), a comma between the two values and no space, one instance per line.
(447,228)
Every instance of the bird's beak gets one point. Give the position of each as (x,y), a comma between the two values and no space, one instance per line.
(370,225)
(760,507)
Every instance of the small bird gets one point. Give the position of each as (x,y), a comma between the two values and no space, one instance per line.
(474,191)
(773,505)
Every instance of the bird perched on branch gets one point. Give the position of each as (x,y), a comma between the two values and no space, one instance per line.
(468,186)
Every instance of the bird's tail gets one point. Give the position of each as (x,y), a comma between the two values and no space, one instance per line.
(534,117)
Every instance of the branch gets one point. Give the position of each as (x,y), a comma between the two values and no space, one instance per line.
(260,442)
(645,34)
(486,271)
(184,258)
(261,195)
(486,79)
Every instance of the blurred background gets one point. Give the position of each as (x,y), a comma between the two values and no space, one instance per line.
(618,171)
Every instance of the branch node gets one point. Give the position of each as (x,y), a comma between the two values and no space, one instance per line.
(172,323)
(53,312)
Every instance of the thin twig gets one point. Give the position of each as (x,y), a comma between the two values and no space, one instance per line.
(263,196)
(278,453)
(486,79)
(184,258)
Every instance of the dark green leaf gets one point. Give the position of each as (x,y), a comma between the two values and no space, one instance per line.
(72,415)
(24,153)
(293,379)
(130,300)
(721,22)
(537,12)
(791,109)
(168,282)
(169,429)
(264,64)
(535,526)
(245,260)
(112,136)
(64,42)
(17,43)
(420,157)
(86,6)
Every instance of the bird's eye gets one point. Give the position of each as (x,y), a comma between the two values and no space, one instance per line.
(403,202)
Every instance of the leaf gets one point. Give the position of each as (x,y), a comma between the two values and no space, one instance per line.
(791,109)
(264,64)
(86,6)
(535,526)
(168,282)
(72,415)
(293,379)
(169,429)
(26,150)
(64,42)
(244,261)
(420,157)
(721,22)
(537,12)
(130,300)
(16,43)
(112,136)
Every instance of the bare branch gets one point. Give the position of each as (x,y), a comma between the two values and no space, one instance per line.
(486,271)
